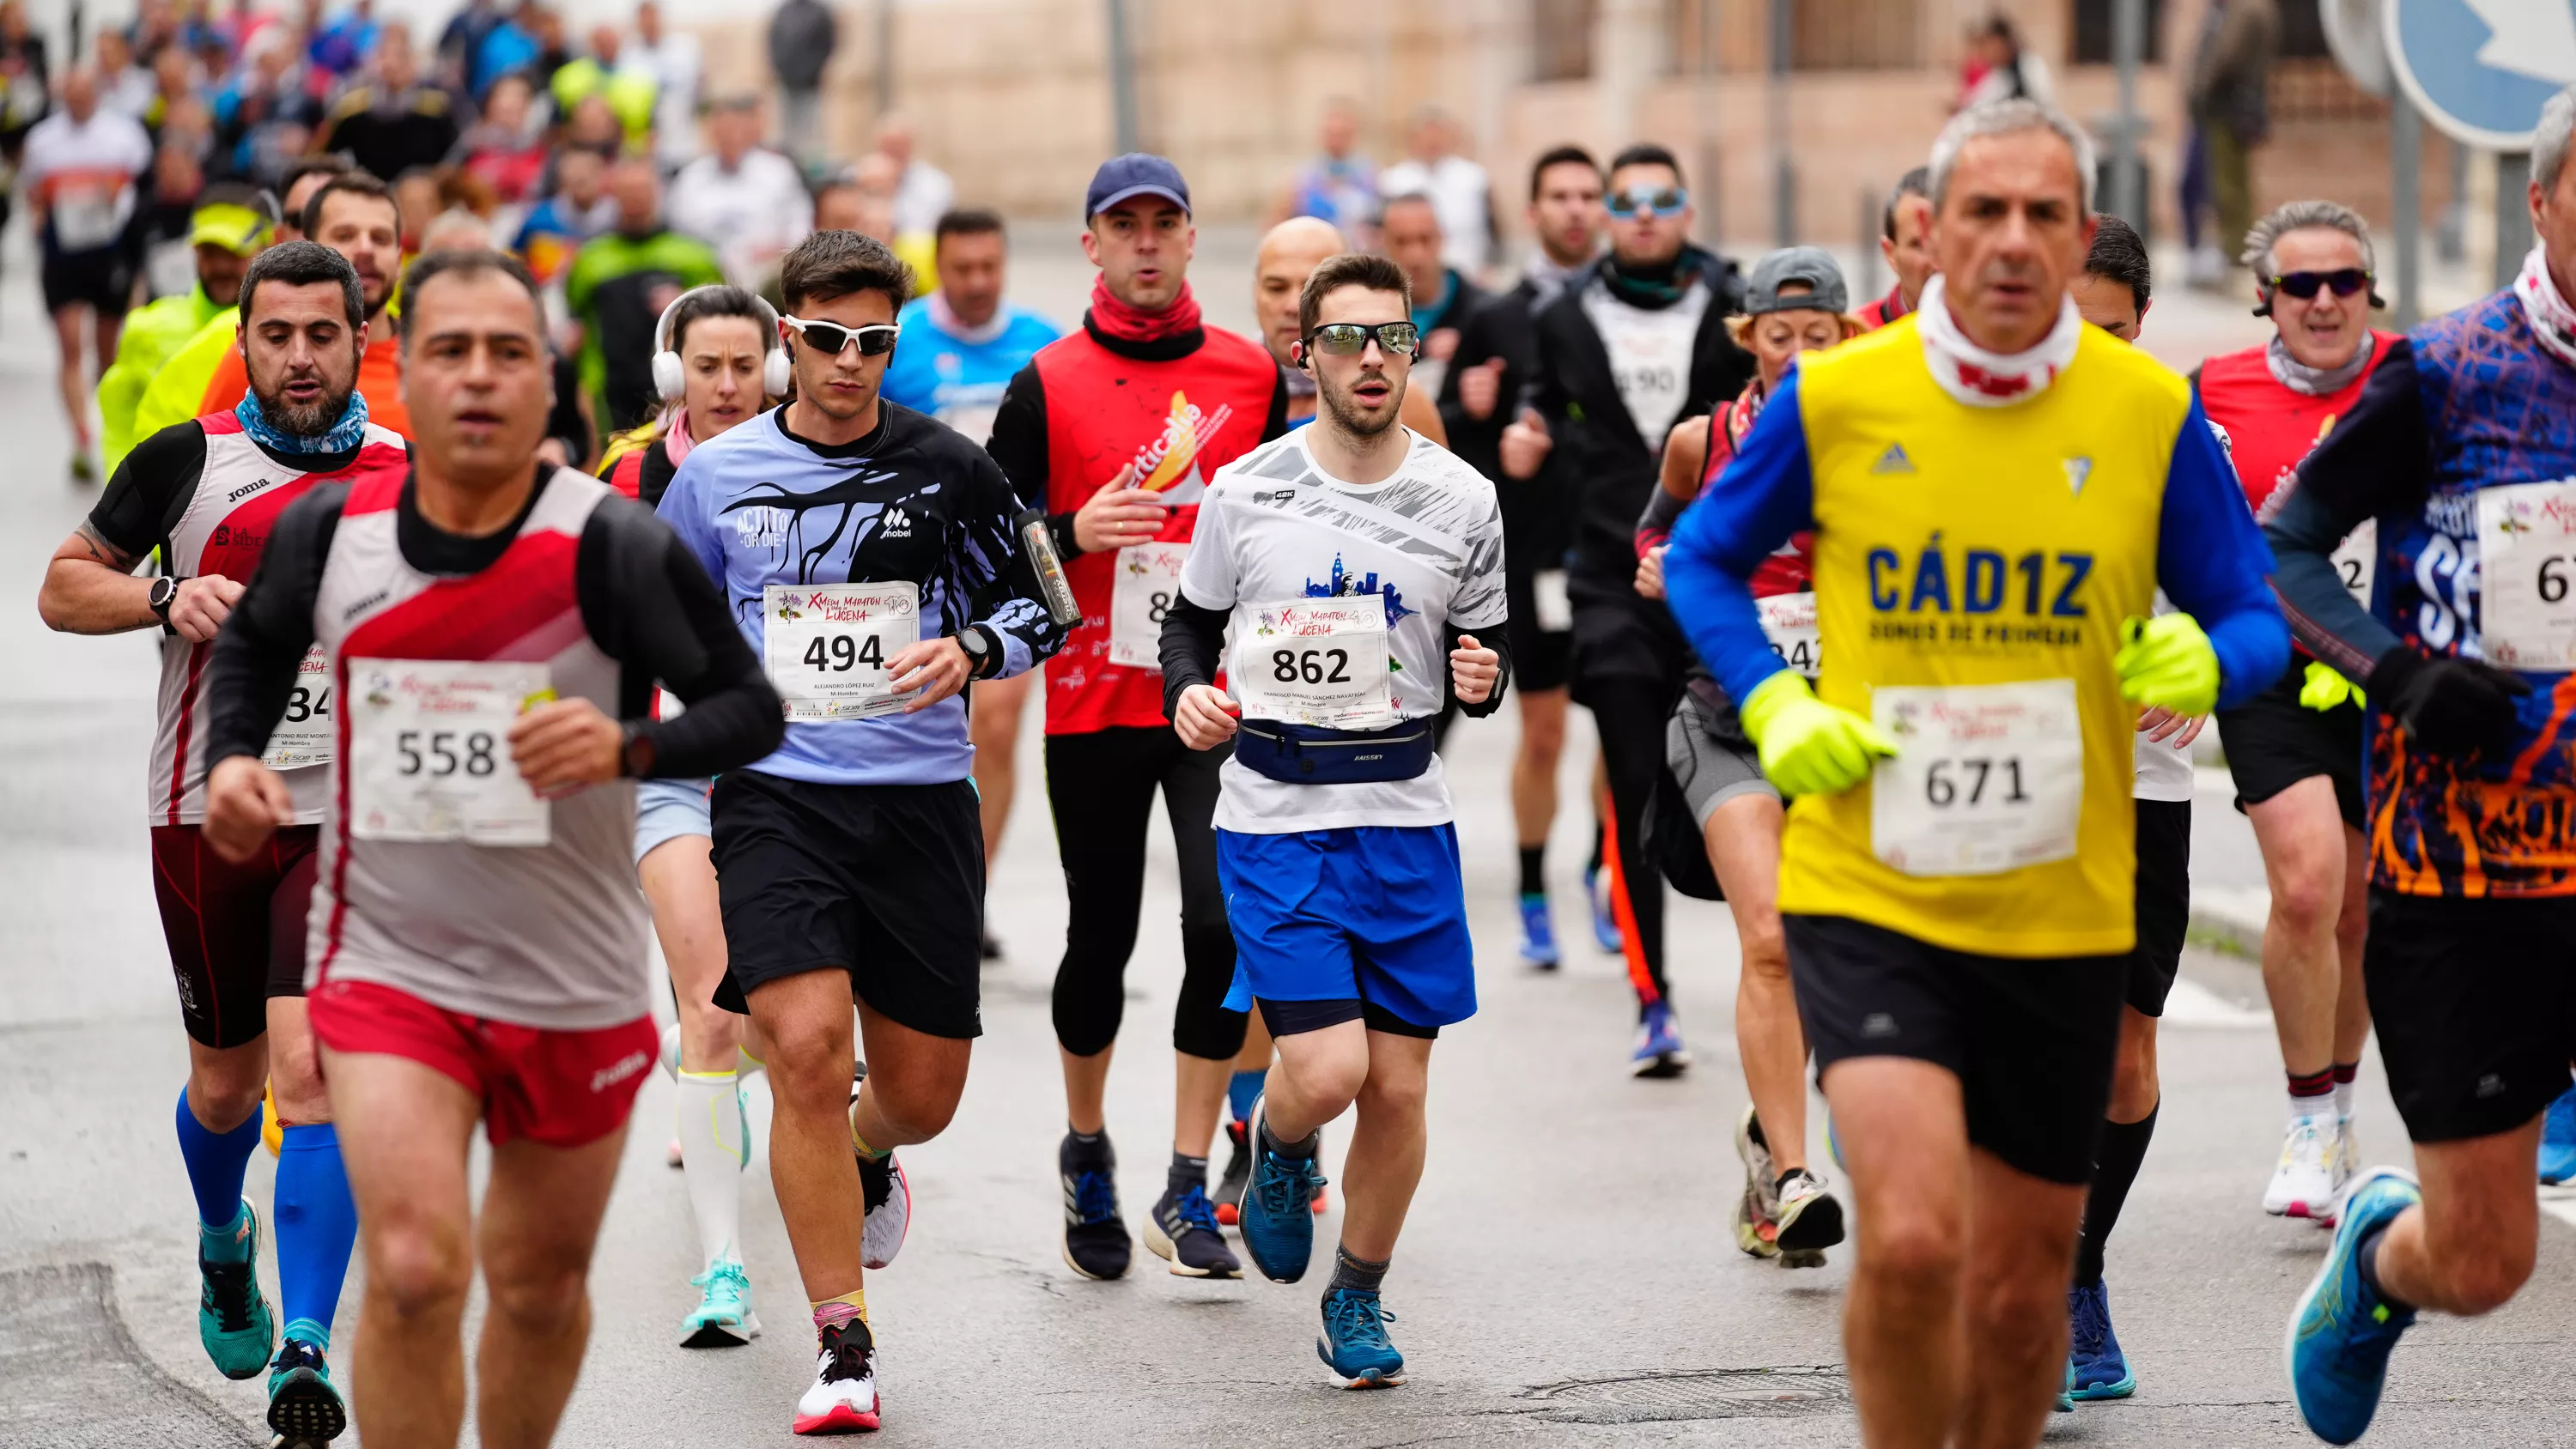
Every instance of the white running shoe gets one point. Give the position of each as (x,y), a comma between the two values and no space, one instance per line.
(2306,1180)
(888,1195)
(843,1399)
(2347,1166)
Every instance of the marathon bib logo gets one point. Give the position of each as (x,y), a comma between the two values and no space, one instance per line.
(1978,596)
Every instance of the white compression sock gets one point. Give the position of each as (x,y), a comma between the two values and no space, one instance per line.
(711,1157)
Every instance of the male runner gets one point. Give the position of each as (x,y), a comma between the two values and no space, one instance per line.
(1996,492)
(1905,242)
(207,494)
(2464,449)
(80,169)
(1638,344)
(853,540)
(476,949)
(225,230)
(1349,561)
(1408,231)
(1112,432)
(1288,254)
(2295,749)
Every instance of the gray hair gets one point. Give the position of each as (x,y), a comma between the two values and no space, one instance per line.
(2549,142)
(2004,118)
(2301,216)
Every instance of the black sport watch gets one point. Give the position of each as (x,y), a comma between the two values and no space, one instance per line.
(165,592)
(982,659)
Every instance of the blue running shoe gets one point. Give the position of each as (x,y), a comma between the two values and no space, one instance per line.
(2558,1140)
(2341,1333)
(723,1317)
(1276,1218)
(233,1320)
(1096,1244)
(1354,1345)
(1538,938)
(1605,918)
(1659,1051)
(2101,1371)
(304,1410)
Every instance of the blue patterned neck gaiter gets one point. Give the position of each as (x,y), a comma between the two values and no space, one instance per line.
(342,436)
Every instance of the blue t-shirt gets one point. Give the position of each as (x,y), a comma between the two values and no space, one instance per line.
(959,379)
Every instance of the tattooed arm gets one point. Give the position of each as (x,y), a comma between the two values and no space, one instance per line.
(90,587)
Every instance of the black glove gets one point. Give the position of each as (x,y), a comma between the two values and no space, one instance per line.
(2448,706)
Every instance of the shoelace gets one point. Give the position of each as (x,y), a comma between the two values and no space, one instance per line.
(1358,1320)
(295,1353)
(1095,1196)
(1195,1211)
(851,1351)
(228,1292)
(2092,1325)
(728,1273)
(1286,1188)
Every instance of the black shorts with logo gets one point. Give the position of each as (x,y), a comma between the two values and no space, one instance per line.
(2031,1040)
(2475,1004)
(2164,902)
(103,280)
(2273,742)
(885,882)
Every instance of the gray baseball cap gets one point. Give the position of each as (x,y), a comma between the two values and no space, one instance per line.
(1811,265)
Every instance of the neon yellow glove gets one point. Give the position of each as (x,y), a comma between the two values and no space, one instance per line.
(1809,747)
(2166,661)
(2323,689)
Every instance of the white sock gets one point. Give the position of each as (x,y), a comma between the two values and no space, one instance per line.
(744,1063)
(2343,1100)
(2299,1107)
(711,1157)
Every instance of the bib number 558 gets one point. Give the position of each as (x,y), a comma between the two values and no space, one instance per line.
(434,752)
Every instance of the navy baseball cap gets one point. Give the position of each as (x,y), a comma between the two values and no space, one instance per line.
(1137,173)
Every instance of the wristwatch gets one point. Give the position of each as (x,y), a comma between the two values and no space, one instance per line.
(635,750)
(165,592)
(981,657)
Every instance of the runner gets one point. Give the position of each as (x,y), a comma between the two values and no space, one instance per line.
(207,495)
(1341,874)
(1905,242)
(1288,254)
(2295,749)
(1112,433)
(80,171)
(1409,233)
(2465,652)
(1794,305)
(1491,368)
(1637,344)
(844,531)
(619,283)
(227,228)
(1958,906)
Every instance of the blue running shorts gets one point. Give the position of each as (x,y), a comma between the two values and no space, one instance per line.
(1372,912)
(667,810)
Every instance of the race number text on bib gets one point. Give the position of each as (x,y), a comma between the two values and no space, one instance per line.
(1319,662)
(2527,572)
(1550,603)
(1987,778)
(1149,579)
(429,751)
(1789,622)
(2356,561)
(303,733)
(828,645)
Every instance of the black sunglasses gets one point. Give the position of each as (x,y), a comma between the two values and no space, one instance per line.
(2344,280)
(1349,339)
(875,340)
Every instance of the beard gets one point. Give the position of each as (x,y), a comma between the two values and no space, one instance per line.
(1345,408)
(310,421)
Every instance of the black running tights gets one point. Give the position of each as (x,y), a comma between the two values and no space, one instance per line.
(1630,712)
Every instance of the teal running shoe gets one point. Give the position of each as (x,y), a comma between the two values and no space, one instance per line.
(2093,1354)
(304,1410)
(233,1320)
(2342,1331)
(1276,1218)
(723,1317)
(1354,1345)
(2066,1395)
(2558,1140)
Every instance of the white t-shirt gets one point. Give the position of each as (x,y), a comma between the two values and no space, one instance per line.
(922,197)
(1274,527)
(85,172)
(1460,196)
(749,214)
(1650,354)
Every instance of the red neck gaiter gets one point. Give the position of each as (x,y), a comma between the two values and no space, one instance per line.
(1134,324)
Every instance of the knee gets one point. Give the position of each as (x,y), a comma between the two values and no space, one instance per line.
(809,1062)
(1765,948)
(419,1269)
(917,1111)
(541,1291)
(2306,898)
(1401,1098)
(2483,1281)
(1329,1086)
(295,1073)
(1542,741)
(224,1099)
(1913,1252)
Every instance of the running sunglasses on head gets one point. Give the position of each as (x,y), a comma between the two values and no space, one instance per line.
(1661,200)
(2344,280)
(875,340)
(1349,339)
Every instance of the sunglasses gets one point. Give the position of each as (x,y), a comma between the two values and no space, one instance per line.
(875,340)
(1349,339)
(2303,285)
(1661,200)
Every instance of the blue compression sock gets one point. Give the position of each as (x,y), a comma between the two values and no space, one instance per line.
(1241,1091)
(216,1162)
(317,1225)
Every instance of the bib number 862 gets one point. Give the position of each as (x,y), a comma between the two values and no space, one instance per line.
(845,654)
(1289,666)
(1967,781)
(440,759)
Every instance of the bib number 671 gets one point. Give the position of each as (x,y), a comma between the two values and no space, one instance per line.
(1968,780)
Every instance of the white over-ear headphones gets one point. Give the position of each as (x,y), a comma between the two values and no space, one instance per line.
(670,378)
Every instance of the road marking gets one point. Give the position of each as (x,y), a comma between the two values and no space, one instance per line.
(2192,1004)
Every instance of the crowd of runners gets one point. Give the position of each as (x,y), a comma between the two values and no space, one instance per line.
(530,596)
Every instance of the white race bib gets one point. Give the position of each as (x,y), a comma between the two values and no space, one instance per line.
(2527,572)
(828,645)
(1149,580)
(2356,561)
(1549,602)
(84,218)
(1789,622)
(1986,778)
(429,751)
(303,734)
(1319,662)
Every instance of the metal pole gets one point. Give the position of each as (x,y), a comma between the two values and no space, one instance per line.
(1704,92)
(2127,197)
(1784,178)
(885,56)
(2513,215)
(1122,78)
(2406,157)
(1872,205)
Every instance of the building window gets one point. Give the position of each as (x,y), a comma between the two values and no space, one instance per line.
(2093,31)
(1856,34)
(1561,38)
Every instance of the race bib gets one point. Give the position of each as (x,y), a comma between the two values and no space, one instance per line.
(2527,573)
(303,734)
(828,645)
(84,218)
(1319,662)
(1986,778)
(2356,561)
(1149,579)
(1549,603)
(1789,622)
(429,752)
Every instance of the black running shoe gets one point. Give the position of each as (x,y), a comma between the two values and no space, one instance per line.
(1238,1171)
(304,1411)
(1096,1244)
(1184,1231)
(992,948)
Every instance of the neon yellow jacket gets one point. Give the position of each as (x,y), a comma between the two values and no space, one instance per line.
(179,392)
(152,334)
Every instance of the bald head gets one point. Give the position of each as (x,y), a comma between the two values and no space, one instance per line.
(1290,252)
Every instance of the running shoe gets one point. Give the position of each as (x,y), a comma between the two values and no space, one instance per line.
(304,1411)
(1238,1171)
(1096,1244)
(1605,917)
(1808,1217)
(2341,1333)
(1538,937)
(1354,1345)
(723,1318)
(233,1320)
(2303,1183)
(2066,1394)
(1659,1051)
(1279,1237)
(1183,1231)
(888,1195)
(2558,1140)
(1756,1209)
(2093,1354)
(992,949)
(1834,1143)
(843,1399)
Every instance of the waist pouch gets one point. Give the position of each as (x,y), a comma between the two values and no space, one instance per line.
(1307,755)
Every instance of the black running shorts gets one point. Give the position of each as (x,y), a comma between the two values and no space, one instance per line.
(236,932)
(2475,1003)
(2273,742)
(102,280)
(2164,902)
(885,882)
(1541,658)
(2031,1040)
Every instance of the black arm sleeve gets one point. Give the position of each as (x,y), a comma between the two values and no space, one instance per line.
(1496,636)
(2377,462)
(263,641)
(650,607)
(151,485)
(1019,444)
(1193,641)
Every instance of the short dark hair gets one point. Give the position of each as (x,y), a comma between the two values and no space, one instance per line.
(301,264)
(1560,156)
(348,183)
(329,163)
(708,302)
(465,263)
(1350,269)
(834,264)
(965,221)
(2119,255)
(1917,182)
(1645,153)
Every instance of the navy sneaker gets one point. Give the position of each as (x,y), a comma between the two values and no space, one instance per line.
(1605,917)
(1659,1051)
(1538,937)
(1096,1244)
(2341,1333)
(1277,1217)
(304,1410)
(1183,1231)
(2093,1350)
(2558,1140)
(1354,1345)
